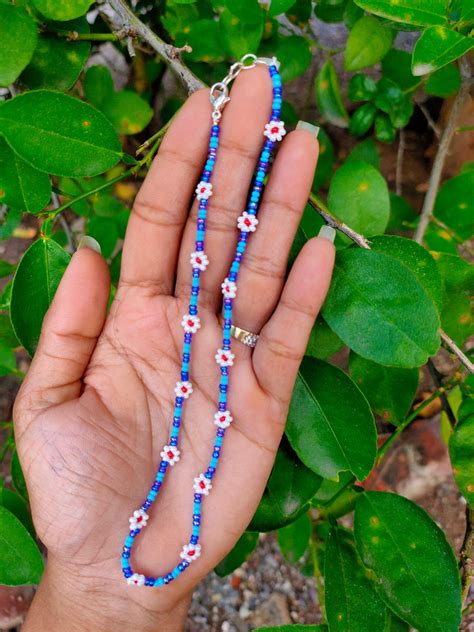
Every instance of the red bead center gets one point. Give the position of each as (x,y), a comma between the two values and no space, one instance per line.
(202,485)
(247,222)
(170,454)
(274,130)
(191,552)
(184,389)
(190,323)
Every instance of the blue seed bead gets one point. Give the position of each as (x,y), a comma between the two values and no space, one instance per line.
(127,572)
(146,505)
(194,539)
(184,376)
(197,498)
(174,441)
(159,581)
(220,432)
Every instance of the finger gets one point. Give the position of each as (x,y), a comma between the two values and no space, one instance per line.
(160,210)
(70,330)
(264,264)
(284,338)
(241,140)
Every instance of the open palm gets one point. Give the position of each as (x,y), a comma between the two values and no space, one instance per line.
(97,405)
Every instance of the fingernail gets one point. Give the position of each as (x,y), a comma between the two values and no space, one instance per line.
(89,242)
(327,232)
(314,129)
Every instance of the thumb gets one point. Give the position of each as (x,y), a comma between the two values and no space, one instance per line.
(69,333)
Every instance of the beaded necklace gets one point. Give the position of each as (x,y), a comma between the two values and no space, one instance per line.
(246,223)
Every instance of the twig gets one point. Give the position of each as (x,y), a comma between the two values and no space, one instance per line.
(63,222)
(399,168)
(330,219)
(429,119)
(435,177)
(436,375)
(452,346)
(465,554)
(133,27)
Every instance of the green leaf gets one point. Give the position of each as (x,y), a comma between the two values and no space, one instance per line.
(59,134)
(323,342)
(18,478)
(34,285)
(294,54)
(18,35)
(241,551)
(436,47)
(294,539)
(6,268)
(444,82)
(289,489)
(378,308)
(366,151)
(351,603)
(104,231)
(414,566)
(21,185)
(416,12)
(458,277)
(178,19)
(362,88)
(277,7)
(238,36)
(461,449)
(369,41)
(18,507)
(358,195)
(389,391)
(57,62)
(391,99)
(384,130)
(62,10)
(396,66)
(402,214)
(318,430)
(7,360)
(417,259)
(98,85)
(248,11)
(294,628)
(10,220)
(328,96)
(203,37)
(330,11)
(325,160)
(21,561)
(7,335)
(454,204)
(362,119)
(128,112)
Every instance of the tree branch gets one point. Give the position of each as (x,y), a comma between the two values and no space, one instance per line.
(131,26)
(333,221)
(452,346)
(465,555)
(436,173)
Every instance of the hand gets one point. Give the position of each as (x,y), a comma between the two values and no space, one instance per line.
(96,408)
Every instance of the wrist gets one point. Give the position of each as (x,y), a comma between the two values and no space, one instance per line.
(67,601)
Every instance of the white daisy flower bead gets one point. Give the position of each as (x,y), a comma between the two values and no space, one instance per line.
(136,580)
(191,323)
(229,289)
(275,130)
(199,261)
(223,419)
(202,485)
(138,520)
(183,389)
(247,223)
(170,454)
(190,552)
(203,190)
(224,357)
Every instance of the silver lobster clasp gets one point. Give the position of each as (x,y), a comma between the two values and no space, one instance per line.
(219,96)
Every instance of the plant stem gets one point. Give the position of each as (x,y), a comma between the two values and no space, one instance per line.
(465,555)
(445,141)
(317,203)
(133,27)
(452,346)
(74,36)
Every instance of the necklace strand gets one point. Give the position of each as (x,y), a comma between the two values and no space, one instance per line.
(246,223)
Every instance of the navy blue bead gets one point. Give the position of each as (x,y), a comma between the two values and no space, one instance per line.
(146,505)
(155,487)
(174,441)
(193,310)
(199,246)
(184,376)
(187,337)
(176,424)
(149,581)
(126,555)
(197,498)
(224,370)
(220,432)
(127,572)
(222,407)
